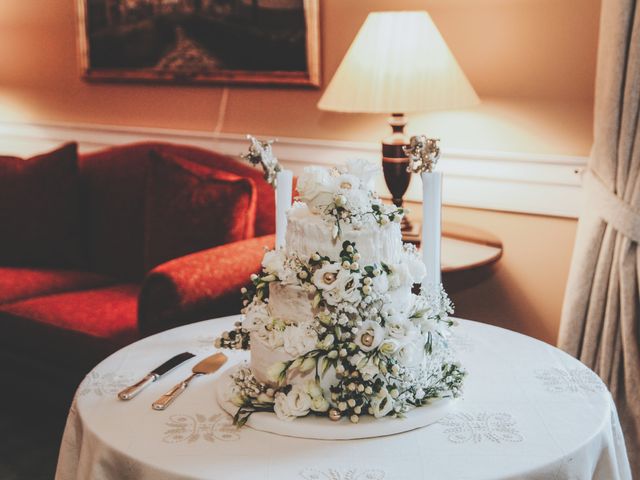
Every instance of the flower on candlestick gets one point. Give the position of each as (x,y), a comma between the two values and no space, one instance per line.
(423,153)
(261,153)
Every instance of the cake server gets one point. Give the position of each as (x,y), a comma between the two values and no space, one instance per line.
(130,392)
(209,365)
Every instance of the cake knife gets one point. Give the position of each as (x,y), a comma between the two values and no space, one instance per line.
(130,392)
(209,365)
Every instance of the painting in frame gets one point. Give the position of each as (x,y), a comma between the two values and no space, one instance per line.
(267,42)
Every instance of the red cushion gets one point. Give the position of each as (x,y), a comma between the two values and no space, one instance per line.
(265,218)
(114,182)
(39,210)
(20,283)
(75,329)
(192,207)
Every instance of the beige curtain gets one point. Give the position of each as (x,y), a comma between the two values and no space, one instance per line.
(601,312)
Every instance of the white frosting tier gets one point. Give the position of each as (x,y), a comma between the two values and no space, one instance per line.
(308,233)
(290,302)
(263,357)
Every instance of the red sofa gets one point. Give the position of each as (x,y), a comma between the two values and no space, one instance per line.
(63,320)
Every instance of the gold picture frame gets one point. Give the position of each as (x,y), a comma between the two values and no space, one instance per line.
(245,42)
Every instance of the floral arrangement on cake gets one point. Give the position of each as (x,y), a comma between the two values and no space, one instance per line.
(357,342)
(345,196)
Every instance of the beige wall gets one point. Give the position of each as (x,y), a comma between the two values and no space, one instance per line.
(523,291)
(531,61)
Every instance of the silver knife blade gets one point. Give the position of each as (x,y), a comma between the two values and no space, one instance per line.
(130,392)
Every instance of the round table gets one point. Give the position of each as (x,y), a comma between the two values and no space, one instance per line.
(529,411)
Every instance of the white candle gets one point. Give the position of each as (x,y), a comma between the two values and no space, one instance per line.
(284,186)
(431,227)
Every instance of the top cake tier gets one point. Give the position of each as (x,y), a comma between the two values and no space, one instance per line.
(307,233)
(339,204)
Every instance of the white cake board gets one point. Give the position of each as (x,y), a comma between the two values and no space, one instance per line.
(321,428)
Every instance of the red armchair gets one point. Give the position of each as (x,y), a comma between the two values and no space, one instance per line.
(65,317)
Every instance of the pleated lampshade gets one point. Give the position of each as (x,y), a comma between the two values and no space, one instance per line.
(398,62)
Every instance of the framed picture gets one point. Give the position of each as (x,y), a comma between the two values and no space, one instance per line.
(265,42)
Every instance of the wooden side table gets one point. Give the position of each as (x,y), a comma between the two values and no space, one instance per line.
(463,248)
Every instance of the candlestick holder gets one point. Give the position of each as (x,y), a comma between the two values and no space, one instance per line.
(395,165)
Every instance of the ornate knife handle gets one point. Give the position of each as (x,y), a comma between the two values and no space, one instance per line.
(165,400)
(130,392)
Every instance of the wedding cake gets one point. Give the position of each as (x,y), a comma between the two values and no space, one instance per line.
(331,323)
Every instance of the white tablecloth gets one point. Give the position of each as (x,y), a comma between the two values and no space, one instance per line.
(529,412)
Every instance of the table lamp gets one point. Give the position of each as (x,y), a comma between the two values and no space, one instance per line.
(397,64)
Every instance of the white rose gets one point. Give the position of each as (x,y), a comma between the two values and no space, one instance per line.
(400,275)
(273,262)
(389,346)
(380,283)
(400,329)
(347,182)
(296,403)
(381,404)
(281,409)
(357,200)
(298,340)
(256,316)
(369,370)
(410,354)
(316,187)
(369,336)
(325,277)
(363,169)
(346,289)
(416,268)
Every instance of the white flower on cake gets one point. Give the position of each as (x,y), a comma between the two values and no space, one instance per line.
(381,404)
(357,201)
(364,170)
(369,370)
(258,315)
(416,268)
(401,329)
(296,403)
(274,263)
(316,187)
(347,182)
(318,402)
(409,354)
(325,277)
(298,340)
(346,288)
(380,283)
(369,336)
(275,372)
(389,346)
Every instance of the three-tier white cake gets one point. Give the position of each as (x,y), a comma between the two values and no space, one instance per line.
(332,324)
